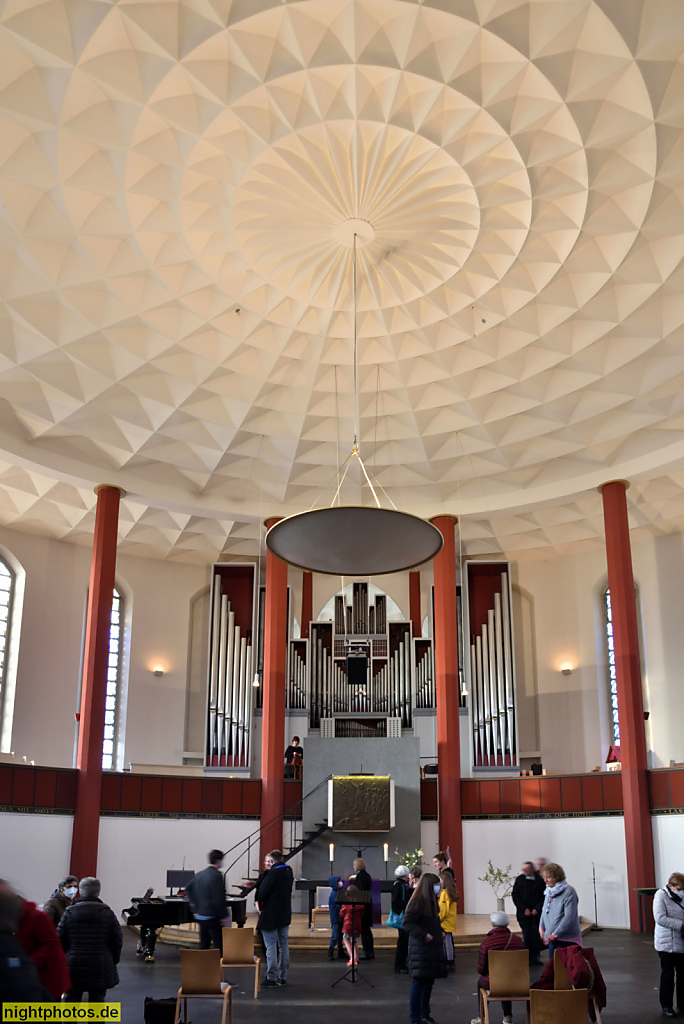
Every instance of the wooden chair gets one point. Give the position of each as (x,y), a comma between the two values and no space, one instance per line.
(558,1006)
(201,979)
(322,906)
(509,980)
(561,982)
(238,951)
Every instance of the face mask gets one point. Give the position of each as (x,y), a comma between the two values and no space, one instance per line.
(437,888)
(71,891)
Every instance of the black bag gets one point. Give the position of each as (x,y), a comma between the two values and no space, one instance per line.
(160,1011)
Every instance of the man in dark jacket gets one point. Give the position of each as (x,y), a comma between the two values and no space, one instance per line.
(92,940)
(528,895)
(274,898)
(207,895)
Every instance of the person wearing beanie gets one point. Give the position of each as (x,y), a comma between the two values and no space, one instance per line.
(499,938)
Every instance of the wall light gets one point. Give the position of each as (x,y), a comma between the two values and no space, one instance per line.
(158,670)
(566,668)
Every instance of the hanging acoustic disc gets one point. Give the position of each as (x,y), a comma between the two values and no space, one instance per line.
(350,540)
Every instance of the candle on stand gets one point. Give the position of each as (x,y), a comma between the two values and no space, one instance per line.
(385,851)
(331,851)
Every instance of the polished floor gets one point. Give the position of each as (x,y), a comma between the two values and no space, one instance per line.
(628,962)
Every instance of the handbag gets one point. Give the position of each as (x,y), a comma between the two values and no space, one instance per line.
(395,920)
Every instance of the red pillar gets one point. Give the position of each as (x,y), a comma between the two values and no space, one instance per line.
(637,816)
(273,720)
(307,602)
(414,603)
(447,691)
(85,834)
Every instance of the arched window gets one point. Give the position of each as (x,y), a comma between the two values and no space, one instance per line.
(612,677)
(7,581)
(112,702)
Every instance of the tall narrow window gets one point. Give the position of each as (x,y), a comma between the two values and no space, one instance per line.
(111,724)
(6,596)
(612,677)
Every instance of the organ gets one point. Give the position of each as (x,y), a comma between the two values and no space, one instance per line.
(396,681)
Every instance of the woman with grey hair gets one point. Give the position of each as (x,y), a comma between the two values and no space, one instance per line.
(668,939)
(92,940)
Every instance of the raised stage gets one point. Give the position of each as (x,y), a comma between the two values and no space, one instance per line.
(470,931)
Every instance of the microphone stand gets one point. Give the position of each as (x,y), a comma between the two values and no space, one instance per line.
(595,926)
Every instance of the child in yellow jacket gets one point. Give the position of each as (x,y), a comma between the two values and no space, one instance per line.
(448,903)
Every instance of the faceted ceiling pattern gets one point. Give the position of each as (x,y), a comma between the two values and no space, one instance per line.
(176,311)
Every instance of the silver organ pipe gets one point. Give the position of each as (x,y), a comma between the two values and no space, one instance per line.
(230,692)
(492,685)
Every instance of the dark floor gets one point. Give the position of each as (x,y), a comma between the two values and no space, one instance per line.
(628,963)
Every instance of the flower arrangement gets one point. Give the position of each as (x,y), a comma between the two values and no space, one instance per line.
(409,858)
(501,880)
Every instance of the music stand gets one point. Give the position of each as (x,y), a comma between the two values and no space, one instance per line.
(360,898)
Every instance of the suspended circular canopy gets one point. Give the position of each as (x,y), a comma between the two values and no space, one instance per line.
(349,540)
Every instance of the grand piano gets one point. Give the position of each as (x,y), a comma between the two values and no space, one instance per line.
(174,910)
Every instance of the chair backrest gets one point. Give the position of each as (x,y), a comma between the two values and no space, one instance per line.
(238,945)
(561,978)
(322,894)
(509,972)
(558,1006)
(201,971)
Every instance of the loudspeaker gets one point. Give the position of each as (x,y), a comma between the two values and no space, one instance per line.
(357,669)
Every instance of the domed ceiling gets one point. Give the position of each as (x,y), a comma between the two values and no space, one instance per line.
(175,271)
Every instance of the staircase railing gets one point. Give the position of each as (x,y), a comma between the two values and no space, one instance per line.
(254,838)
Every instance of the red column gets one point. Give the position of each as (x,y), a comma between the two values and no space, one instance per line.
(273,720)
(307,602)
(447,690)
(85,835)
(638,832)
(414,603)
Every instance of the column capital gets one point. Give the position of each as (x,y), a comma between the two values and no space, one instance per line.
(606,483)
(114,487)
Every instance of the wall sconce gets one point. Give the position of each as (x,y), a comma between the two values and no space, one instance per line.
(566,668)
(158,671)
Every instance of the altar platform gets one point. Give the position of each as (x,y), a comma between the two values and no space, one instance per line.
(470,931)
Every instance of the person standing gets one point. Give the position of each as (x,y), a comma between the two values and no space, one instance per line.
(19,980)
(425,949)
(668,939)
(207,896)
(400,897)
(91,938)
(38,936)
(499,938)
(559,923)
(364,882)
(335,883)
(351,922)
(528,894)
(448,905)
(63,896)
(274,897)
(442,862)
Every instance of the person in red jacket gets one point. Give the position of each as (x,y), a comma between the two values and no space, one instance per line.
(499,938)
(38,935)
(351,922)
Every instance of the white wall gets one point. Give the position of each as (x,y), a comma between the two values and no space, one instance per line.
(668,843)
(34,852)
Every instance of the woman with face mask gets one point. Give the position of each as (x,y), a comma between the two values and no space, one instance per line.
(668,939)
(63,896)
(425,948)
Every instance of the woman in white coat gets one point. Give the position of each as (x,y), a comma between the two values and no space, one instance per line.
(668,911)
